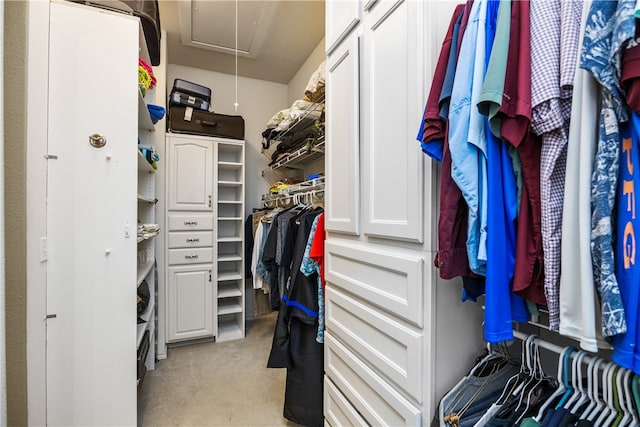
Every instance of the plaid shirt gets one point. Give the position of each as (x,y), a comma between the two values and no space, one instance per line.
(551,102)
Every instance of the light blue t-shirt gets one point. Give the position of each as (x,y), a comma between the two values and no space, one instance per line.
(467,138)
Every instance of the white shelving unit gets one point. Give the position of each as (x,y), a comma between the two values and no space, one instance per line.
(205,286)
(146,214)
(230,301)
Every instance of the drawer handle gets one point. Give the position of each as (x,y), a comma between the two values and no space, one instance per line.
(191,223)
(193,240)
(191,257)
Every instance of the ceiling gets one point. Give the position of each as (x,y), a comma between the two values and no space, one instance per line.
(274,37)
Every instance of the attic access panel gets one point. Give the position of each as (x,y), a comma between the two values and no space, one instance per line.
(211,25)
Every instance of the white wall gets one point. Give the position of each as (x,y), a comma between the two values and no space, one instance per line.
(259,100)
(295,88)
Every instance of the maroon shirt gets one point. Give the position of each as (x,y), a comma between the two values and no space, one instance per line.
(515,116)
(631,74)
(433,124)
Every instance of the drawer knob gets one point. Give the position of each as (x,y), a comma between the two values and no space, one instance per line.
(191,257)
(191,223)
(193,240)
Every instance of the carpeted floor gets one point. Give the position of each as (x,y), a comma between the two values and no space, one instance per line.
(217,384)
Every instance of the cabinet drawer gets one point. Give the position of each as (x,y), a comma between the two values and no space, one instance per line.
(190,256)
(337,409)
(391,280)
(190,222)
(190,239)
(375,399)
(387,345)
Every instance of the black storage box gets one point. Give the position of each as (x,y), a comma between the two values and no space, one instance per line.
(195,122)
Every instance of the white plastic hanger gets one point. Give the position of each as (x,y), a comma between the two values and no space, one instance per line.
(623,377)
(629,377)
(576,379)
(592,386)
(607,397)
(585,394)
(615,373)
(561,386)
(600,398)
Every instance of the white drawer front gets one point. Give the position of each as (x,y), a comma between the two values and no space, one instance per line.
(389,279)
(375,399)
(190,222)
(337,409)
(188,239)
(388,346)
(190,256)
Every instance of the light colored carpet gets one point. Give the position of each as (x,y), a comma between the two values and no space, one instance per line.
(217,384)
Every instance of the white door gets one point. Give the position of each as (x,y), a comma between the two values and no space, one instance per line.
(190,299)
(91,217)
(190,163)
(393,166)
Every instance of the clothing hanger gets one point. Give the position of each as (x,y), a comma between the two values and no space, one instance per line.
(539,373)
(587,395)
(606,396)
(513,384)
(599,397)
(636,393)
(625,399)
(565,380)
(561,386)
(616,413)
(592,387)
(576,380)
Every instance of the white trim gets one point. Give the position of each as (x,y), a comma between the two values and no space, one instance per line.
(36,185)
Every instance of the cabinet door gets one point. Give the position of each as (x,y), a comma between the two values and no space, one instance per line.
(393,165)
(341,17)
(343,138)
(190,302)
(91,217)
(190,163)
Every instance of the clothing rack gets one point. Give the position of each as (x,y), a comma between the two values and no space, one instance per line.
(550,346)
(304,192)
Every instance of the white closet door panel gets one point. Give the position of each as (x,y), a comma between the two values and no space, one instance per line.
(377,401)
(392,280)
(341,16)
(190,163)
(337,409)
(343,139)
(91,217)
(190,302)
(390,347)
(393,165)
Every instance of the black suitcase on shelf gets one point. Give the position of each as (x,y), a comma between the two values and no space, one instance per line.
(146,10)
(188,94)
(197,122)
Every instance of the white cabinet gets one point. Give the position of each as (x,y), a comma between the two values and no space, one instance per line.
(190,164)
(91,216)
(341,17)
(190,296)
(205,235)
(393,330)
(342,156)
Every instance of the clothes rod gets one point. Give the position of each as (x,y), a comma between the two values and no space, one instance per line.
(552,347)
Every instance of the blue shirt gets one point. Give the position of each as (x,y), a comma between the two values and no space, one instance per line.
(501,305)
(467,138)
(627,266)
